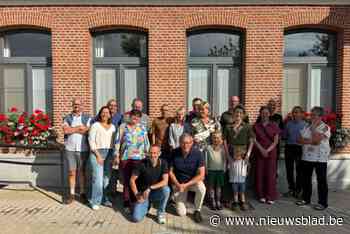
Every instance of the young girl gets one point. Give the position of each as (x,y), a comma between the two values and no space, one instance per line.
(238,168)
(215,166)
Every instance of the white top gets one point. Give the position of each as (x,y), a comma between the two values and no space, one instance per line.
(237,171)
(175,131)
(101,138)
(215,159)
(76,141)
(320,152)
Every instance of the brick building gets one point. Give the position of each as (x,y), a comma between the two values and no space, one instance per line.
(171,51)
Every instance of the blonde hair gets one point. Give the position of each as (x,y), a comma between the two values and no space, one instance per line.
(239,150)
(219,134)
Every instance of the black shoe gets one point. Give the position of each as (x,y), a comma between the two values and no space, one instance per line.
(320,207)
(235,206)
(197,216)
(302,203)
(70,199)
(218,205)
(212,205)
(83,198)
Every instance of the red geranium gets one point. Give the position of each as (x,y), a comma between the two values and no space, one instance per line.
(3,118)
(13,109)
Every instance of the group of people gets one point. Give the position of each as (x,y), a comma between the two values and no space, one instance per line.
(164,159)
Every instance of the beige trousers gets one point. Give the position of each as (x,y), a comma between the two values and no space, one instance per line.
(180,198)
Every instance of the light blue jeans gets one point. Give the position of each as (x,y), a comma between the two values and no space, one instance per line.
(160,195)
(100,176)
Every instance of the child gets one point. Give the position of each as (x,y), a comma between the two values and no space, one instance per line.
(238,167)
(215,166)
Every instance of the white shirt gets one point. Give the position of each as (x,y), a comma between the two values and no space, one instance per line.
(320,152)
(238,171)
(101,138)
(76,141)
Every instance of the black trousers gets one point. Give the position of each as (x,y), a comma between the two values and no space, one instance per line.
(293,155)
(322,186)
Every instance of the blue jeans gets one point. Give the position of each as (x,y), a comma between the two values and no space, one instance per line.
(100,176)
(141,209)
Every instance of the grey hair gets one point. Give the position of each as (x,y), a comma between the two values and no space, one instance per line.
(185,135)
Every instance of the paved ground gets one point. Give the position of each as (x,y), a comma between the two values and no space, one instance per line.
(24,210)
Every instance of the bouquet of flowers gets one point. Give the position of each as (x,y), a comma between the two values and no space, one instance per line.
(25,129)
(340,137)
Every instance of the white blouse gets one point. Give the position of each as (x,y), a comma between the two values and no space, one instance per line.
(101,138)
(320,152)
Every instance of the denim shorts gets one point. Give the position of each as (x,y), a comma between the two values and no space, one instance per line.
(238,187)
(76,159)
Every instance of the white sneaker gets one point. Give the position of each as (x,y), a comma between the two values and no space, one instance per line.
(95,207)
(161,219)
(270,202)
(262,200)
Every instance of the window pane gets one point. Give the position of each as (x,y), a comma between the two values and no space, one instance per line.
(13,90)
(223,89)
(294,87)
(198,82)
(322,87)
(120,45)
(27,44)
(39,89)
(309,44)
(214,44)
(135,86)
(105,86)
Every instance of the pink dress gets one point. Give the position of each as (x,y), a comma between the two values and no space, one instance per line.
(266,167)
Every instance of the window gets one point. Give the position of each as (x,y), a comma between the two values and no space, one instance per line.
(214,67)
(120,68)
(309,70)
(25,70)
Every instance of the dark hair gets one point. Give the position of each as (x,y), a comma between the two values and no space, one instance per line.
(297,108)
(240,107)
(99,118)
(136,113)
(318,110)
(196,99)
(258,120)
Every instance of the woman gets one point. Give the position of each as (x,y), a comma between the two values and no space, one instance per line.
(177,128)
(203,126)
(267,137)
(316,150)
(101,157)
(131,147)
(238,135)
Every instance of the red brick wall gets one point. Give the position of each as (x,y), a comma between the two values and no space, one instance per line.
(263,29)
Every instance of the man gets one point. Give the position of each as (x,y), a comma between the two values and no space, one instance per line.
(75,128)
(117,117)
(196,103)
(226,119)
(278,119)
(149,183)
(275,117)
(187,174)
(137,104)
(160,129)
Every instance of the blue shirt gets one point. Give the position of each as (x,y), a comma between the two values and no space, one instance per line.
(185,168)
(117,119)
(292,131)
